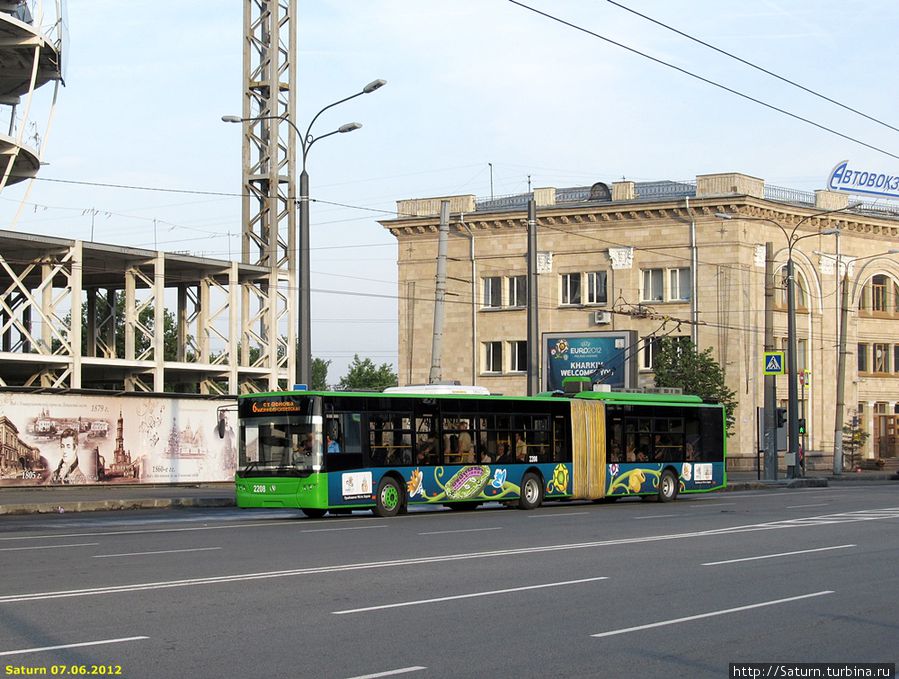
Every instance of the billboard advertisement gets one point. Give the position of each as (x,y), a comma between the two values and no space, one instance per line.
(54,439)
(606,357)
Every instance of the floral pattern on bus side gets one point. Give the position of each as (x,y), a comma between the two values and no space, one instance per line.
(559,481)
(413,486)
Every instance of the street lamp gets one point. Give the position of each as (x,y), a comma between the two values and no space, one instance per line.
(304,362)
(792,376)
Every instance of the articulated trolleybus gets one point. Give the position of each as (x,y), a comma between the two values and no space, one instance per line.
(337,451)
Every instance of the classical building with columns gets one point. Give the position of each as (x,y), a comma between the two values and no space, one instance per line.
(645,260)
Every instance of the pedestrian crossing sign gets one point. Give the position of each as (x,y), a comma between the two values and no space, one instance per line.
(774,363)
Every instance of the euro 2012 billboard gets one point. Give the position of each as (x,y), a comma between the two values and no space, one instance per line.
(604,357)
(61,439)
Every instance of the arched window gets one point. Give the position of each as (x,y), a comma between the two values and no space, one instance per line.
(880,295)
(800,289)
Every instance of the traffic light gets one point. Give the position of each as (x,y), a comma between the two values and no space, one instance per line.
(781,418)
(802,426)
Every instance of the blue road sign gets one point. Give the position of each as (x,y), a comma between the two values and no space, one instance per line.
(774,363)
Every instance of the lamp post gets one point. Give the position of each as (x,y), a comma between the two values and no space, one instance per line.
(792,374)
(304,329)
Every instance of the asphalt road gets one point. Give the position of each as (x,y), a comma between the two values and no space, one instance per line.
(631,589)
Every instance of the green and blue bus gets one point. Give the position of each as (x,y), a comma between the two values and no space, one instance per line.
(341,451)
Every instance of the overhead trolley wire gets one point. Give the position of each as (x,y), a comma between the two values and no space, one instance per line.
(708,81)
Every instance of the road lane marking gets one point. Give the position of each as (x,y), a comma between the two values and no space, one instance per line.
(101,642)
(329,530)
(654,516)
(710,615)
(554,515)
(19,549)
(774,556)
(163,551)
(467,596)
(820,504)
(146,532)
(461,530)
(390,673)
(864,515)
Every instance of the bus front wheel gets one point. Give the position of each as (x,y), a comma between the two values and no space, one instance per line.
(531,492)
(389,498)
(667,486)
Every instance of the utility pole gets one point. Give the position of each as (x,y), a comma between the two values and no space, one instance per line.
(436,374)
(533,329)
(841,378)
(770,380)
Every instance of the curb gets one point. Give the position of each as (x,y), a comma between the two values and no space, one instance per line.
(114,505)
(773,485)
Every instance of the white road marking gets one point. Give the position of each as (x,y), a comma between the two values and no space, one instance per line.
(329,530)
(774,556)
(467,596)
(654,516)
(291,524)
(461,530)
(820,504)
(390,673)
(23,651)
(19,549)
(864,515)
(555,514)
(710,615)
(163,551)
(706,503)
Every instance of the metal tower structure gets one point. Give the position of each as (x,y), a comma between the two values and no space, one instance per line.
(269,173)
(31,49)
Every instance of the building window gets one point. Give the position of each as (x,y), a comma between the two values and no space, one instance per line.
(881,358)
(493,292)
(896,359)
(652,345)
(596,287)
(571,288)
(862,358)
(799,288)
(493,357)
(653,285)
(879,293)
(518,291)
(518,356)
(679,285)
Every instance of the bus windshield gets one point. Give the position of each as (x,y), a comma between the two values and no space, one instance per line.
(280,446)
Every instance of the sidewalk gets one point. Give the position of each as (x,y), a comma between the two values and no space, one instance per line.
(62,499)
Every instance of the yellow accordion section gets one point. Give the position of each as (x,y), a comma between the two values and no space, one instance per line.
(588,443)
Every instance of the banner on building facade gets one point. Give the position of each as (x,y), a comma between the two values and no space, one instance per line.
(606,357)
(56,439)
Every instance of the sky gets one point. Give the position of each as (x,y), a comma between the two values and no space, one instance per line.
(470,84)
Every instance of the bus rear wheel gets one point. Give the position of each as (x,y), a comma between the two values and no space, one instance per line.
(667,486)
(531,492)
(389,499)
(314,513)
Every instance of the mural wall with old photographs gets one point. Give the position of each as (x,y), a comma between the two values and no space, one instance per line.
(71,439)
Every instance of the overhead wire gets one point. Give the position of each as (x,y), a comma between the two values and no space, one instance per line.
(708,81)
(755,66)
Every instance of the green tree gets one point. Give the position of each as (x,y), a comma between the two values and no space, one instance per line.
(319,374)
(854,438)
(364,375)
(679,364)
